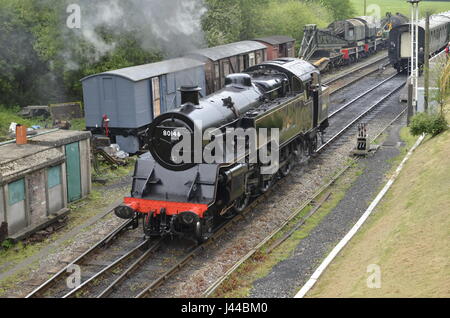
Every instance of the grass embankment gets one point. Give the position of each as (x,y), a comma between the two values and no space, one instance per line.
(401,6)
(407,236)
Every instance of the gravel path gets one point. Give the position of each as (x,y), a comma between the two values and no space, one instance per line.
(288,276)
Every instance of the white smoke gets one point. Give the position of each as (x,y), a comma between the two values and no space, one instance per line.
(171,26)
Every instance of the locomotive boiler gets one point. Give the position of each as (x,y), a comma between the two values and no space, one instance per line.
(177,191)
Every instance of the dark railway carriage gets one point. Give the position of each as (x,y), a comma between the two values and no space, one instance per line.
(278,46)
(226,59)
(190,197)
(400,40)
(351,30)
(371,26)
(122,103)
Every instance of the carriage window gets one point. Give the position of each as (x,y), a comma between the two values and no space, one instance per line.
(350,32)
(297,86)
(308,90)
(156,97)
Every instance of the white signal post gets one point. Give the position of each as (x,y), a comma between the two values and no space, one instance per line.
(414,64)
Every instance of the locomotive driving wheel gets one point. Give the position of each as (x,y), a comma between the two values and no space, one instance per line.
(266,184)
(287,168)
(241,203)
(313,145)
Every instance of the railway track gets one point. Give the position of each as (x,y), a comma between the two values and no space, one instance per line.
(348,115)
(141,267)
(387,118)
(385,88)
(57,285)
(354,75)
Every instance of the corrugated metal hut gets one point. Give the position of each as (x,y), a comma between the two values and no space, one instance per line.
(133,96)
(226,59)
(278,46)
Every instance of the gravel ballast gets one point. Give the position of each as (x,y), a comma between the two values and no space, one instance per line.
(285,279)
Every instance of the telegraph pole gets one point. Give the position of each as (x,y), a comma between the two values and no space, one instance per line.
(427,61)
(365,7)
(414,65)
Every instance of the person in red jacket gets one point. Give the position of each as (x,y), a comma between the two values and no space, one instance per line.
(447,49)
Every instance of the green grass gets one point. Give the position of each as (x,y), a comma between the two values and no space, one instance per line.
(401,6)
(10,115)
(407,235)
(78,124)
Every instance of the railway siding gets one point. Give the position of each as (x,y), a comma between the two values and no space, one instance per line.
(340,161)
(294,261)
(413,208)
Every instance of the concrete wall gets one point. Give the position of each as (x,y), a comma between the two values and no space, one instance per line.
(85,164)
(2,206)
(40,201)
(55,190)
(37,196)
(16,215)
(56,199)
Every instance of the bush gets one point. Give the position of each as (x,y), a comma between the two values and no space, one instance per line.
(428,124)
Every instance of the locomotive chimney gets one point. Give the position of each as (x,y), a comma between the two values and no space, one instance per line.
(190,94)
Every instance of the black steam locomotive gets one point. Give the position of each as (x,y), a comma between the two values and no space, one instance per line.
(188,196)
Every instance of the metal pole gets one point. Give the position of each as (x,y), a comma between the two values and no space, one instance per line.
(417,53)
(410,111)
(411,32)
(411,64)
(427,61)
(414,31)
(365,7)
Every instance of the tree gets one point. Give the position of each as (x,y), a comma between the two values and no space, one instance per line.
(294,15)
(340,9)
(222,23)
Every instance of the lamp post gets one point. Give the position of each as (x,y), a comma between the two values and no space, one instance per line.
(426,66)
(414,65)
